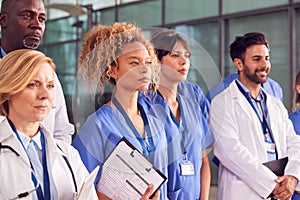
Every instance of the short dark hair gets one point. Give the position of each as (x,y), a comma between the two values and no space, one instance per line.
(239,46)
(5,5)
(164,42)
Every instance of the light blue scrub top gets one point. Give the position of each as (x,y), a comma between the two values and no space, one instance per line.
(105,128)
(192,134)
(295,118)
(271,87)
(193,91)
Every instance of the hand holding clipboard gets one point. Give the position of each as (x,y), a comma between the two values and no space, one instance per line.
(126,173)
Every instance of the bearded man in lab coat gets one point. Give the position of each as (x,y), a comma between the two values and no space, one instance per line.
(252,127)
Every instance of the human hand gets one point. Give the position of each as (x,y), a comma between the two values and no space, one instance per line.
(285,187)
(148,192)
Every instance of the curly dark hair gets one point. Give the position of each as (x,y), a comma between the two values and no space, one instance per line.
(101,47)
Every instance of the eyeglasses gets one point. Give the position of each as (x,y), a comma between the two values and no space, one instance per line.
(8,154)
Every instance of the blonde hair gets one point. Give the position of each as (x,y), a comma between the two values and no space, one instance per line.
(16,70)
(101,47)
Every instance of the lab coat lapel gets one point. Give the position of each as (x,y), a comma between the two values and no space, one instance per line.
(60,173)
(52,151)
(9,137)
(273,114)
(241,105)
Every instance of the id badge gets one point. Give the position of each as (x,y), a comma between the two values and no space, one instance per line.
(186,168)
(74,196)
(270,146)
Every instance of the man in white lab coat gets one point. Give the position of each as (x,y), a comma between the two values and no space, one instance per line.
(252,127)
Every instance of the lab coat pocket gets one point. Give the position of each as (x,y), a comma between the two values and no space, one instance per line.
(240,190)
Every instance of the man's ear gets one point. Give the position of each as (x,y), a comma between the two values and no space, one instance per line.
(238,64)
(3,19)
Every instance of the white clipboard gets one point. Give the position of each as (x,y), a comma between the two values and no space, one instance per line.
(87,190)
(127,173)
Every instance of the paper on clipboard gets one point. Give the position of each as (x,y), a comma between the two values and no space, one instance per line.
(126,173)
(87,191)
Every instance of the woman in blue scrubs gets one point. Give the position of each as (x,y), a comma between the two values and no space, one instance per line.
(187,129)
(121,55)
(295,118)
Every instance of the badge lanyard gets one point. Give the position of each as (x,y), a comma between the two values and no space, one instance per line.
(44,161)
(186,166)
(148,147)
(264,123)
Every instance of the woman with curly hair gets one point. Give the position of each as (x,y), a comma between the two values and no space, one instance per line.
(121,55)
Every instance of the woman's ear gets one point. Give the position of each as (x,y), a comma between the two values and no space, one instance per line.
(112,71)
(297,88)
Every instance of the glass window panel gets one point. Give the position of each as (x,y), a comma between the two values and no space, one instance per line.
(62,1)
(149,15)
(203,41)
(99,4)
(179,10)
(65,58)
(106,16)
(231,6)
(279,44)
(68,84)
(60,30)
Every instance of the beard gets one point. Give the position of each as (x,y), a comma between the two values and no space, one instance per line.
(31,44)
(253,76)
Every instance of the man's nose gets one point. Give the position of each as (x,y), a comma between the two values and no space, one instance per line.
(36,23)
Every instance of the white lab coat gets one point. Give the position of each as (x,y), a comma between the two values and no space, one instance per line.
(15,174)
(240,145)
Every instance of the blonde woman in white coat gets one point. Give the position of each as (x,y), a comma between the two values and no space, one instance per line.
(242,144)
(26,97)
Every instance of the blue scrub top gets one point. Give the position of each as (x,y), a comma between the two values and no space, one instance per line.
(193,91)
(192,134)
(271,87)
(105,128)
(295,118)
